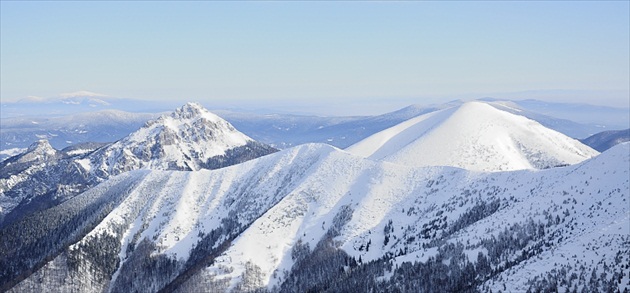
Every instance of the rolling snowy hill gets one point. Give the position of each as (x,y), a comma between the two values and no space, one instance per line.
(474,136)
(315,218)
(191,138)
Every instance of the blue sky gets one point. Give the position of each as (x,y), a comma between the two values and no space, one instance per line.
(314,53)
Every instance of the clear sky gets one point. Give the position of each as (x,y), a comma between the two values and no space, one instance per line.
(317,52)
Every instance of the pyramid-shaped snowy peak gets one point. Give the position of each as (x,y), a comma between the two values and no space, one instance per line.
(190,138)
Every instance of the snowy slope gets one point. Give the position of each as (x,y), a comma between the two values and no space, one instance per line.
(474,136)
(375,195)
(269,222)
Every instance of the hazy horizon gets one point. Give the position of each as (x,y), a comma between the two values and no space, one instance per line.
(344,107)
(367,57)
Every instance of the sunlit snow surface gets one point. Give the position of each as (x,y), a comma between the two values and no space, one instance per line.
(185,138)
(295,194)
(431,169)
(473,136)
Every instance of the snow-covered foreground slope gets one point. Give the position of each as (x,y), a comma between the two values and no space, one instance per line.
(317,218)
(473,136)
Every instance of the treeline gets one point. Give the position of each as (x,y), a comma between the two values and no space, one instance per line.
(326,268)
(27,244)
(237,155)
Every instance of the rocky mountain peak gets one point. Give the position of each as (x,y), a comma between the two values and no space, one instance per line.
(194,111)
(190,138)
(189,110)
(39,150)
(41,145)
(188,119)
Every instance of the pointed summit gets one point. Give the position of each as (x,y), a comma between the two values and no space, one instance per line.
(40,151)
(42,146)
(190,138)
(193,114)
(193,110)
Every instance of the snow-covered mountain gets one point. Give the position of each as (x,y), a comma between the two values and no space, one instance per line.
(145,214)
(278,130)
(316,218)
(191,138)
(607,139)
(474,136)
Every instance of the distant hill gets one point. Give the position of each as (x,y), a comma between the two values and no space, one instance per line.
(607,139)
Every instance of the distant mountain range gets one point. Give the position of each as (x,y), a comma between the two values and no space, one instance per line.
(607,139)
(75,103)
(278,130)
(60,132)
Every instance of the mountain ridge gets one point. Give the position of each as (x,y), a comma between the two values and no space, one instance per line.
(277,130)
(604,140)
(318,218)
(261,220)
